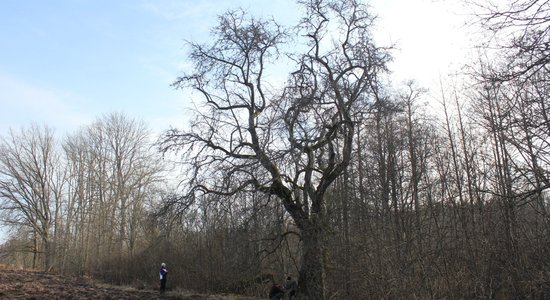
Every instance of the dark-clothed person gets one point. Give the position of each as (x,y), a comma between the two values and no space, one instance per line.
(163,274)
(277,292)
(291,286)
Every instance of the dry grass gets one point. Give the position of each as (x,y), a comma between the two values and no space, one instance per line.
(29,285)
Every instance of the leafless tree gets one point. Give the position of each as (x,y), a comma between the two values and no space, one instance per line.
(112,174)
(292,146)
(31,186)
(521,30)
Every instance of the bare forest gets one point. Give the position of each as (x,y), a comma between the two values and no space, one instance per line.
(336,175)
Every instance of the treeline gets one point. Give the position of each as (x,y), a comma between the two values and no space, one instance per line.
(82,203)
(454,207)
(450,203)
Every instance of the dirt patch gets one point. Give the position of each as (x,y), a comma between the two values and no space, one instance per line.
(32,285)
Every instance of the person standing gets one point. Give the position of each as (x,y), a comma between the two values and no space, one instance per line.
(291,286)
(163,274)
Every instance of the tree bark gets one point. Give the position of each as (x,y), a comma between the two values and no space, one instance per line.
(312,270)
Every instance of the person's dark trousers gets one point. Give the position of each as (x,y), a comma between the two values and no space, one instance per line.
(291,295)
(163,285)
(277,296)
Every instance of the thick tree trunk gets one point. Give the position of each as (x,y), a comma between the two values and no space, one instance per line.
(312,271)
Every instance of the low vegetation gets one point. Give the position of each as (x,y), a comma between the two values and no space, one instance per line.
(27,284)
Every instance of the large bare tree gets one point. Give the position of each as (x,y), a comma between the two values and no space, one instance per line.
(292,143)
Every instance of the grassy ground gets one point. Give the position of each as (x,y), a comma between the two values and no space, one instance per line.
(29,285)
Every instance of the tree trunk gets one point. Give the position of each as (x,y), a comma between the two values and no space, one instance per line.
(312,271)
(34,250)
(346,228)
(47,253)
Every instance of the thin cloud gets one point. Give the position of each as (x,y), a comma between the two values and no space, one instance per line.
(24,103)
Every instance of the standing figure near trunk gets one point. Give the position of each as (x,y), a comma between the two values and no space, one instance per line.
(163,274)
(291,286)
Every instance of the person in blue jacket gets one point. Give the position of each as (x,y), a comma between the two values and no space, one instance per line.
(163,274)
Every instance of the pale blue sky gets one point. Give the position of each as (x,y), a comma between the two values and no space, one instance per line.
(66,62)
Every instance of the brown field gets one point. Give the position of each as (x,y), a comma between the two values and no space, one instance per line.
(25,284)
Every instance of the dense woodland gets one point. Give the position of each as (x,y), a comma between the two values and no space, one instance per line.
(340,178)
